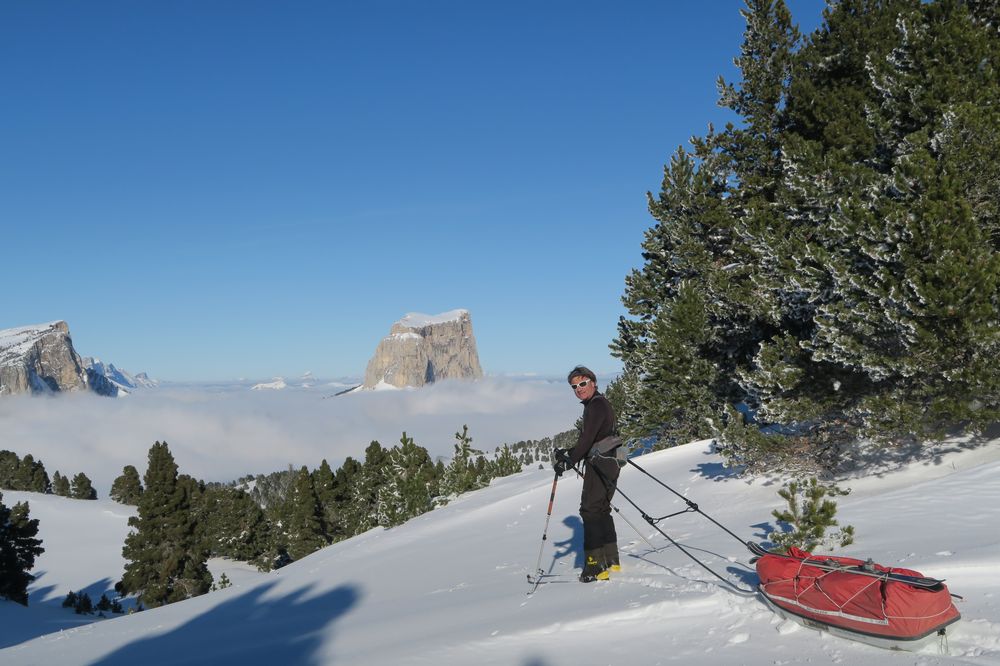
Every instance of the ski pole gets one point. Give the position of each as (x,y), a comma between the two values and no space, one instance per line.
(545,532)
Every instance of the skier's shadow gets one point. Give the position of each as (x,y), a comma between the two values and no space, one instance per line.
(571,546)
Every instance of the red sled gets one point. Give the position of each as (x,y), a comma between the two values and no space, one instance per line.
(888,607)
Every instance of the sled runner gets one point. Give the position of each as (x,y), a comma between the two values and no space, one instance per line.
(883,606)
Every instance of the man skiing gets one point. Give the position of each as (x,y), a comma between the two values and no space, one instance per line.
(600,542)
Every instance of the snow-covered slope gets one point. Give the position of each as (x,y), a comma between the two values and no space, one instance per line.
(448,588)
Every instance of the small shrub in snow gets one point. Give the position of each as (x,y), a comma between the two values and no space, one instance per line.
(810,513)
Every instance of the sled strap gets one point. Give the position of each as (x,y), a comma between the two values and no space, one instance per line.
(652,521)
(691,505)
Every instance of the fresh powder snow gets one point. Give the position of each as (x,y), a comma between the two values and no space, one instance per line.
(449,588)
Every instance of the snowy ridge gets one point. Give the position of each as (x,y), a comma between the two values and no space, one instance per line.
(277,385)
(448,588)
(16,342)
(420,320)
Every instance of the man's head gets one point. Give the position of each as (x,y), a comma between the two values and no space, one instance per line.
(583,382)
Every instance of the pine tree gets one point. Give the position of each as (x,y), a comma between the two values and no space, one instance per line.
(31,476)
(9,464)
(692,269)
(506,463)
(60,485)
(809,514)
(304,529)
(127,488)
(361,508)
(270,491)
(831,262)
(896,255)
(24,474)
(344,481)
(236,527)
(459,475)
(84,604)
(104,604)
(81,488)
(325,484)
(405,492)
(222,583)
(18,549)
(165,562)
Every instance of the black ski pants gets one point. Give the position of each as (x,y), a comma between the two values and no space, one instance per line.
(599,482)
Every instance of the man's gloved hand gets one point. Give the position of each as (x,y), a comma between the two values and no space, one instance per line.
(561,461)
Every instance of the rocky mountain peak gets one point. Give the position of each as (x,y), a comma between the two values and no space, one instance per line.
(41,359)
(421,349)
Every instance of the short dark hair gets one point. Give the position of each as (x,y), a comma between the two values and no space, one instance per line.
(581,371)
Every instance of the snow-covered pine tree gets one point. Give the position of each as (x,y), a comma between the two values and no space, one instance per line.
(691,248)
(824,139)
(699,270)
(880,268)
(127,488)
(236,527)
(938,263)
(18,549)
(165,561)
(891,267)
(361,508)
(405,492)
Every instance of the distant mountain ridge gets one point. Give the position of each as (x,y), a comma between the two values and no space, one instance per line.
(41,359)
(120,378)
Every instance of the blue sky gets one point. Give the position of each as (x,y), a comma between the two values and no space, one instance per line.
(251,189)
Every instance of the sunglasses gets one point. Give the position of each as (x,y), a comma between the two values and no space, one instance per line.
(585,382)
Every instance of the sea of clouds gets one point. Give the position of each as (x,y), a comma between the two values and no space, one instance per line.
(220,434)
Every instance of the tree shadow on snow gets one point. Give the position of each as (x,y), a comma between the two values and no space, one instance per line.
(56,618)
(718,471)
(247,629)
(44,597)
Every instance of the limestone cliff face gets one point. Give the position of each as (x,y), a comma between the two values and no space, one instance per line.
(422,349)
(41,359)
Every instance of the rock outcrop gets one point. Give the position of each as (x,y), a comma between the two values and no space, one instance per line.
(41,359)
(422,349)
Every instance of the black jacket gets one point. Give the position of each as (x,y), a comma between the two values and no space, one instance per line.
(598,423)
